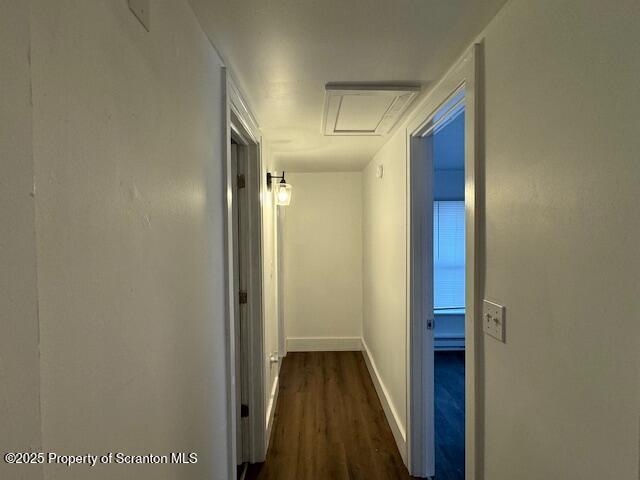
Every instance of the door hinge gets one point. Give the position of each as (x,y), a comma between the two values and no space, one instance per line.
(241,181)
(244,411)
(243,297)
(431,323)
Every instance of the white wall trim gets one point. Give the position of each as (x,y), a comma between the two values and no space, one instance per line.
(448,342)
(271,409)
(324,344)
(255,304)
(238,118)
(420,402)
(390,412)
(243,112)
(229,277)
(279,213)
(448,336)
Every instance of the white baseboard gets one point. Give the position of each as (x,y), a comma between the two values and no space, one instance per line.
(271,410)
(323,344)
(448,341)
(389,410)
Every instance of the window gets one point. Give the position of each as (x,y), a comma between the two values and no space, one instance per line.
(448,256)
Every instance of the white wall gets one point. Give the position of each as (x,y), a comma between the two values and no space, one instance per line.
(322,249)
(19,359)
(562,176)
(384,273)
(128,156)
(562,240)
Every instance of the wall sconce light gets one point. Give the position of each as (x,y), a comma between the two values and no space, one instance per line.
(282,189)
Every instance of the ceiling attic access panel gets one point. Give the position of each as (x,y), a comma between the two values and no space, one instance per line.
(364,110)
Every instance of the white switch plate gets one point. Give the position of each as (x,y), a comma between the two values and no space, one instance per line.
(142,10)
(493,322)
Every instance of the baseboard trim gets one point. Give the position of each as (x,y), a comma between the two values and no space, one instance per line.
(389,410)
(448,341)
(323,344)
(271,410)
(449,336)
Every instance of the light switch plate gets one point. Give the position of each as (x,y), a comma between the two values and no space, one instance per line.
(142,10)
(493,321)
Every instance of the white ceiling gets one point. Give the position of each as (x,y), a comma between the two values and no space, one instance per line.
(283,52)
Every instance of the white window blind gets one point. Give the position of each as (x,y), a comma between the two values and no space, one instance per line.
(448,255)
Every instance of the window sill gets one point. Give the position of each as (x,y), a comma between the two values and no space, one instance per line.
(457,311)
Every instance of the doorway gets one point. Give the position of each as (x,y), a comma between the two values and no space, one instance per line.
(241,317)
(447,151)
(245,327)
(442,275)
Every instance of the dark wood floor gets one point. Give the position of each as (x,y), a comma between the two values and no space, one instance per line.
(449,395)
(329,423)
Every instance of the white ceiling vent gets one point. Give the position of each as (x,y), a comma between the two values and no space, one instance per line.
(364,109)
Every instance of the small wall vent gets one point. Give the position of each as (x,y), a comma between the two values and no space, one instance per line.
(364,109)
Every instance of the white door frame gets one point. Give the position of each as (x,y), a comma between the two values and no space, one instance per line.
(464,75)
(239,122)
(280,213)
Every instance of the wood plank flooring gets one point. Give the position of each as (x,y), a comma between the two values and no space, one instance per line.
(449,411)
(329,423)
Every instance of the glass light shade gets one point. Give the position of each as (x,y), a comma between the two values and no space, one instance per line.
(283,193)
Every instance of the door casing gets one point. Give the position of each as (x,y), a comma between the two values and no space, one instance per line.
(239,123)
(466,75)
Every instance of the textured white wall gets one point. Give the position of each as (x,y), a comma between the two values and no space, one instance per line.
(322,251)
(128,156)
(19,358)
(562,228)
(384,273)
(562,120)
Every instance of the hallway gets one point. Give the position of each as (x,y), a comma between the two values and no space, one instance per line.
(255,233)
(329,423)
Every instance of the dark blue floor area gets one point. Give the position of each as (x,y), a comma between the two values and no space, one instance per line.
(449,412)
